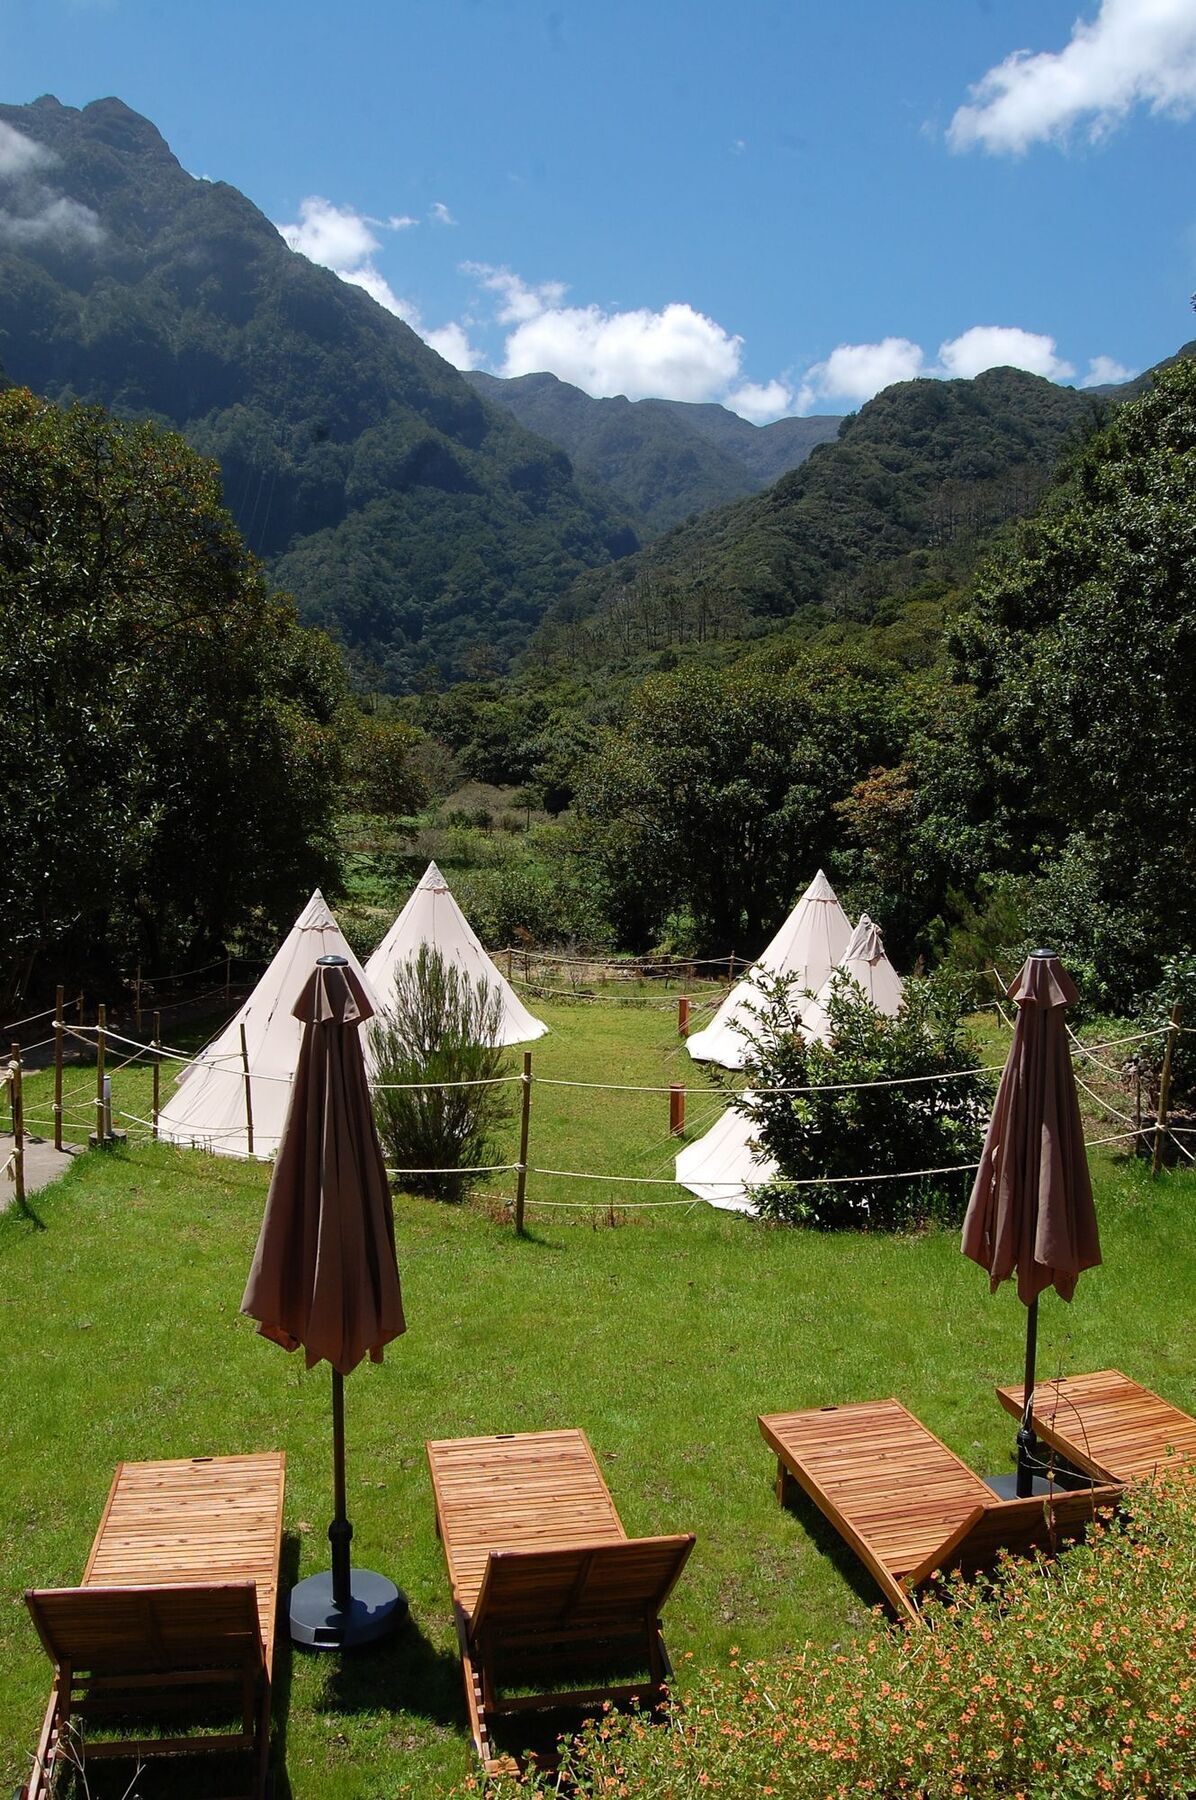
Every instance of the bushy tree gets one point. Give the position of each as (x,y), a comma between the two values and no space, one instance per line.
(1077,759)
(171,744)
(440,1027)
(884,1095)
(717,792)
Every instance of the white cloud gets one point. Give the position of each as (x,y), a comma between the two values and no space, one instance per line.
(57,221)
(452,342)
(853,373)
(1104,369)
(19,154)
(440,214)
(759,403)
(1134,53)
(519,300)
(673,354)
(998,346)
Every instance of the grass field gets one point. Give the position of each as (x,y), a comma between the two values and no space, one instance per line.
(662,1333)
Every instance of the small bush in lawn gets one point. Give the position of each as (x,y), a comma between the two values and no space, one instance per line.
(441,1028)
(1066,1680)
(913,1120)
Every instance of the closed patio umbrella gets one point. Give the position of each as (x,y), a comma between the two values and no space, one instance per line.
(325,1277)
(1031,1211)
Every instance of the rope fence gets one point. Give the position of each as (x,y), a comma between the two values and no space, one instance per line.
(74,1109)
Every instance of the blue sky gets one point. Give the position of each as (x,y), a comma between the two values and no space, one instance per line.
(781,204)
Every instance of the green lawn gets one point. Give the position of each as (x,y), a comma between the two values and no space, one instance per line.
(662,1337)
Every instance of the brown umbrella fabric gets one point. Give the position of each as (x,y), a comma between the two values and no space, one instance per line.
(1031,1208)
(325,1275)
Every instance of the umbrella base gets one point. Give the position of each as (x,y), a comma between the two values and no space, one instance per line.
(1005,1486)
(375,1607)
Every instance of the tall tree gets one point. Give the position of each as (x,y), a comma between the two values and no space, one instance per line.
(171,742)
(1080,653)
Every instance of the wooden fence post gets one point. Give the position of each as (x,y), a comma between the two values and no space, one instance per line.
(1160,1129)
(18,1128)
(248,1092)
(59,1036)
(101,1038)
(157,1072)
(683,1015)
(510,957)
(524,1128)
(137,998)
(676,1109)
(731,966)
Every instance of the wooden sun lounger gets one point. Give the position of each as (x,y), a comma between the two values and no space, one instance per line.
(175,1613)
(905,1503)
(1107,1425)
(545,1579)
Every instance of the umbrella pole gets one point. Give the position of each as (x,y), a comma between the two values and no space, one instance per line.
(340,1532)
(1027,1444)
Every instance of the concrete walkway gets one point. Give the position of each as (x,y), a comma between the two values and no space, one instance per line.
(43,1164)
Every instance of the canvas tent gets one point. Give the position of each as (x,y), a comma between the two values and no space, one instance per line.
(432,917)
(722,1167)
(806,948)
(865,962)
(207,1108)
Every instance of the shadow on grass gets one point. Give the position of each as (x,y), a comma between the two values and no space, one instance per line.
(280,1698)
(828,1543)
(403,1673)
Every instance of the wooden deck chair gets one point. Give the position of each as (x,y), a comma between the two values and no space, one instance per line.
(174,1616)
(1107,1425)
(547,1586)
(905,1503)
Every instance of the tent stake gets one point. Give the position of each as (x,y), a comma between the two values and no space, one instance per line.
(18,1128)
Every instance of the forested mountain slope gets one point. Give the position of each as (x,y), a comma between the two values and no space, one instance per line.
(905,496)
(422,526)
(665,459)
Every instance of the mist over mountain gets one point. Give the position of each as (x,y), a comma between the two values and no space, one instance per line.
(425,528)
(665,459)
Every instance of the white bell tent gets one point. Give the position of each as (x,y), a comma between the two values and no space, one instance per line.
(865,963)
(432,917)
(806,948)
(207,1109)
(723,1166)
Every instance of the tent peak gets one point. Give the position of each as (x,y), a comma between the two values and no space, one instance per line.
(820,889)
(433,881)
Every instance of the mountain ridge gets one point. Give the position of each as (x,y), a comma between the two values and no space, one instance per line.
(664,459)
(424,528)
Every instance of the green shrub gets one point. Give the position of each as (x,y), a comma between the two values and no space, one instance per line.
(901,1117)
(1064,1680)
(439,1029)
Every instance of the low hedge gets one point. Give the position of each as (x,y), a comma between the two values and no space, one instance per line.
(1053,1681)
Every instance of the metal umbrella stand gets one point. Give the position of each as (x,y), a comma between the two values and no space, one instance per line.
(325,1277)
(1031,1211)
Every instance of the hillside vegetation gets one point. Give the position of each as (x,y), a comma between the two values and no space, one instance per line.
(904,497)
(423,528)
(664,459)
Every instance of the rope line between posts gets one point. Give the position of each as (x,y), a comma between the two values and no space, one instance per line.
(15,1024)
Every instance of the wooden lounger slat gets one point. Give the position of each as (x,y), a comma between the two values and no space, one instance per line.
(179,1593)
(905,1502)
(1106,1424)
(543,1571)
